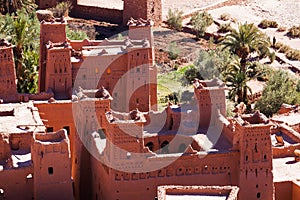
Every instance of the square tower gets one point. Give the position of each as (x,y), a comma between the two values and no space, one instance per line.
(8,79)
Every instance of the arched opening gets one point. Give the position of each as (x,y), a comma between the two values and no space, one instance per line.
(182,148)
(150,145)
(165,147)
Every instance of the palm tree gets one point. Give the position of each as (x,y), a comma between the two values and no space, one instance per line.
(246,40)
(236,77)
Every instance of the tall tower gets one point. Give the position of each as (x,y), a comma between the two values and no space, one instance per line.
(210,97)
(254,143)
(145,9)
(55,32)
(8,86)
(52,166)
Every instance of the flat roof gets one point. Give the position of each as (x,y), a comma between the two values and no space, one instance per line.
(291,118)
(20,118)
(285,169)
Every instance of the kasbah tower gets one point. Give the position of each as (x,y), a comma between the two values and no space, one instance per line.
(116,137)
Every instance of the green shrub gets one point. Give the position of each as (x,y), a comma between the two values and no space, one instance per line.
(174,19)
(225,17)
(267,24)
(173,51)
(62,9)
(225,28)
(76,34)
(293,54)
(294,32)
(281,29)
(200,22)
(282,48)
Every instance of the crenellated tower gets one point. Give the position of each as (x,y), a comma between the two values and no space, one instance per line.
(253,141)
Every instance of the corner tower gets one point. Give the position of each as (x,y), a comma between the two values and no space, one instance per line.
(8,79)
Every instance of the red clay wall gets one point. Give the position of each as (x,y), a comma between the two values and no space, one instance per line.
(283,190)
(97,13)
(15,184)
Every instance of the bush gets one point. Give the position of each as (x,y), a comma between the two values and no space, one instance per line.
(174,19)
(76,34)
(279,89)
(62,9)
(173,51)
(200,22)
(294,32)
(225,28)
(282,48)
(293,54)
(267,24)
(281,29)
(225,17)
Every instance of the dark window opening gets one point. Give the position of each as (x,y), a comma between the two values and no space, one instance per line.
(67,128)
(246,158)
(258,195)
(265,157)
(101,133)
(165,147)
(1,192)
(50,170)
(49,129)
(150,145)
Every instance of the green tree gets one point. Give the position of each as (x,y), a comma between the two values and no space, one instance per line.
(76,34)
(200,21)
(11,6)
(246,40)
(280,88)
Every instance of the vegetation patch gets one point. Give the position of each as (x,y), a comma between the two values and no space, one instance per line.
(268,24)
(294,32)
(174,19)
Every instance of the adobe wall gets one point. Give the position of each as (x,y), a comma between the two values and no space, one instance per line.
(8,86)
(214,169)
(285,151)
(283,190)
(16,183)
(52,166)
(296,190)
(97,13)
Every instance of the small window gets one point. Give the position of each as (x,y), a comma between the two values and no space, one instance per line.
(137,69)
(101,133)
(108,71)
(49,129)
(50,170)
(67,128)
(258,195)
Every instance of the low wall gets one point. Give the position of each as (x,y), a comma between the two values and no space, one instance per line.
(97,13)
(283,190)
(287,151)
